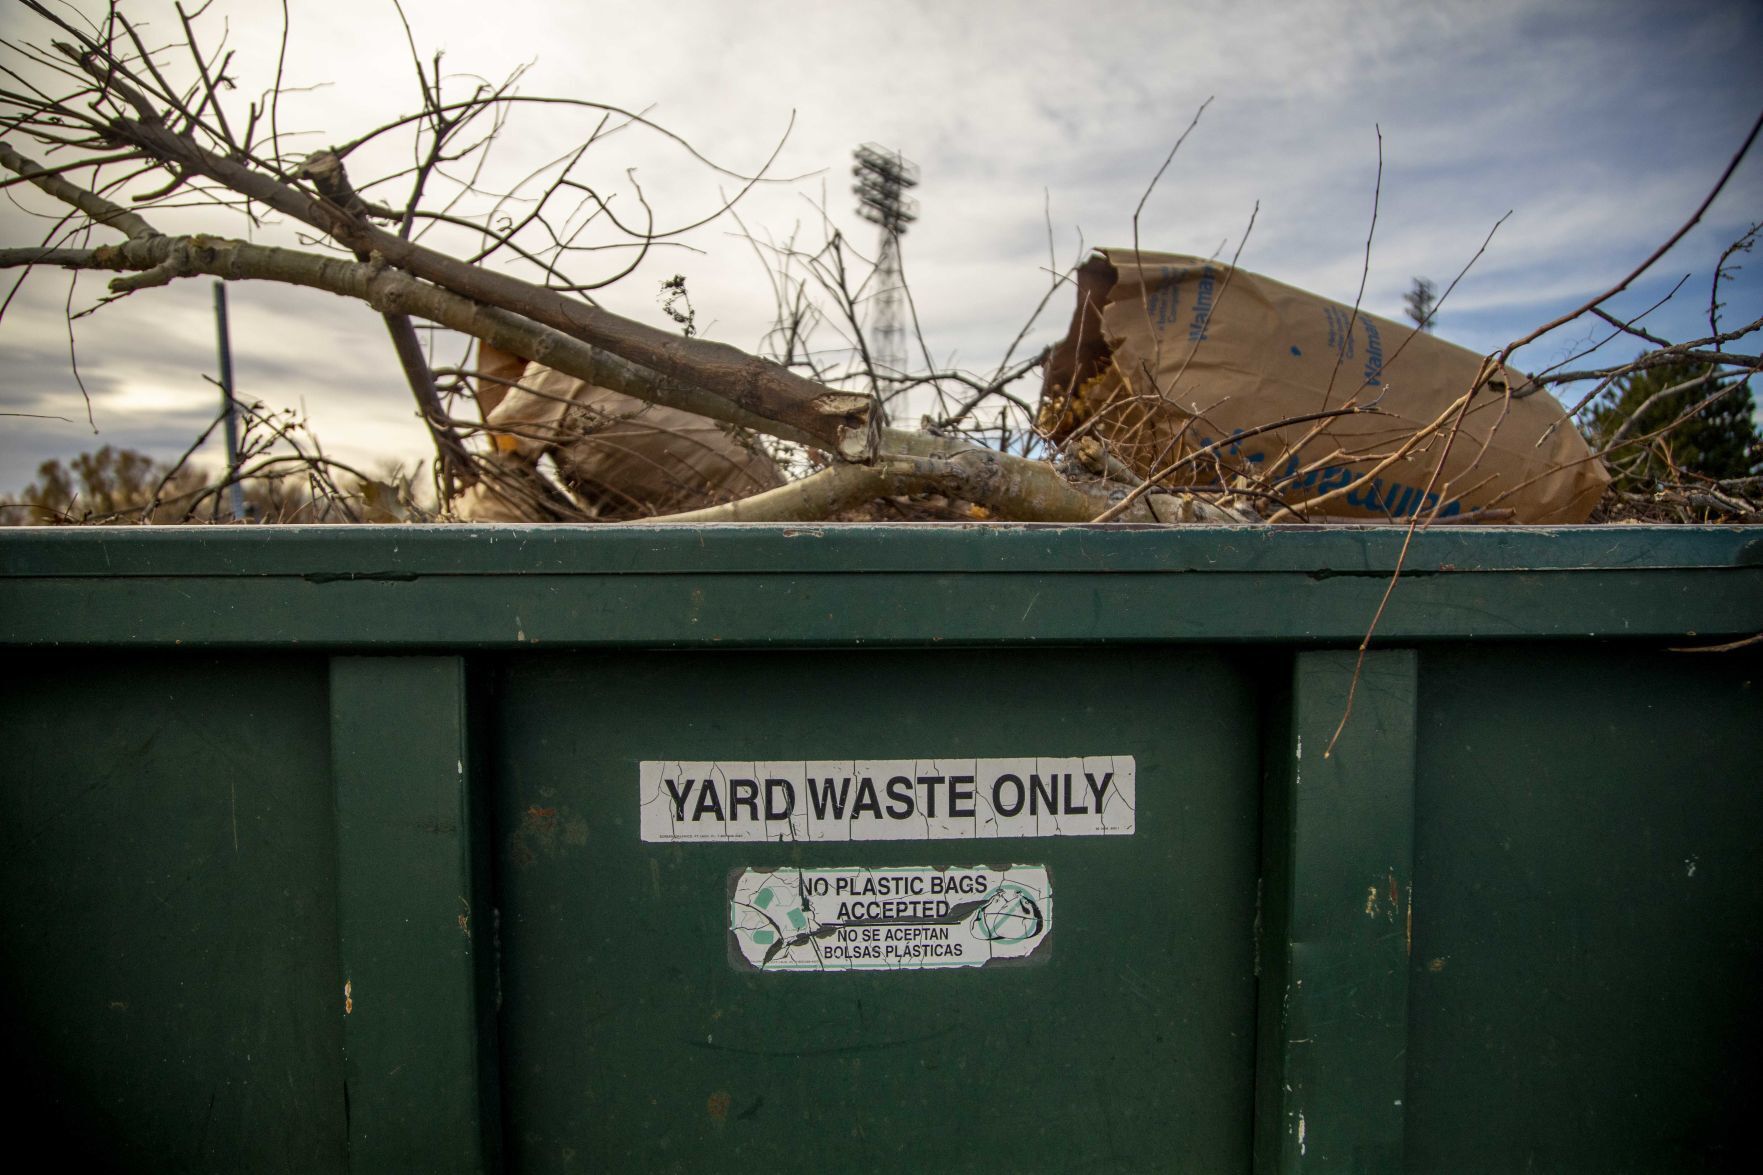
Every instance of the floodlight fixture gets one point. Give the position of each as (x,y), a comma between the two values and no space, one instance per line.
(883,177)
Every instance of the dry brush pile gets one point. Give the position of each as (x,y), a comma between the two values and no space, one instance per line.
(569,411)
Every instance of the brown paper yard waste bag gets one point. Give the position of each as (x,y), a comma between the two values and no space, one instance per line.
(619,456)
(1169,354)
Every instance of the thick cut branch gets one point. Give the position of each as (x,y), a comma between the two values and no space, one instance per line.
(814,498)
(387,289)
(1013,489)
(761,388)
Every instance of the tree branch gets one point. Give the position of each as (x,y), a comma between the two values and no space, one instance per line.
(102,211)
(1695,218)
(760,387)
(326,172)
(385,289)
(1011,488)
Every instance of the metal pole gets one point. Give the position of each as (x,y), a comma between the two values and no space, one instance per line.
(226,387)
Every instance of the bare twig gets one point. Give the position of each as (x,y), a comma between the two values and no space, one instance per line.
(1695,219)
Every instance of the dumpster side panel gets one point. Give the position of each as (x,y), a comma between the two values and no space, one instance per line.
(169,958)
(1339,858)
(1586,903)
(416,927)
(1509,924)
(632,1041)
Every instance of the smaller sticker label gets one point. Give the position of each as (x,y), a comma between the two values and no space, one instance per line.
(911,918)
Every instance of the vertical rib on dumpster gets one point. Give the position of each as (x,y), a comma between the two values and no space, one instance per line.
(415,1046)
(1340,847)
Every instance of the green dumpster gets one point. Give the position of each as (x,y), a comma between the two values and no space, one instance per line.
(917,848)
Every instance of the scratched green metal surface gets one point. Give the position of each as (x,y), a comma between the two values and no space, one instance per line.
(415,920)
(631,1043)
(1587,904)
(169,957)
(391,552)
(1577,808)
(480,588)
(1337,885)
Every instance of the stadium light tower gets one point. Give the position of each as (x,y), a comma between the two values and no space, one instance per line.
(882,179)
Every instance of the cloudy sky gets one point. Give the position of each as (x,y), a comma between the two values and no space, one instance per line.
(1599,124)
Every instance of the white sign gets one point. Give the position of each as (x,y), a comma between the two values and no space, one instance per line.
(886,799)
(907,919)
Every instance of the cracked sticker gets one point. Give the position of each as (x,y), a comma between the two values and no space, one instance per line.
(886,799)
(910,918)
